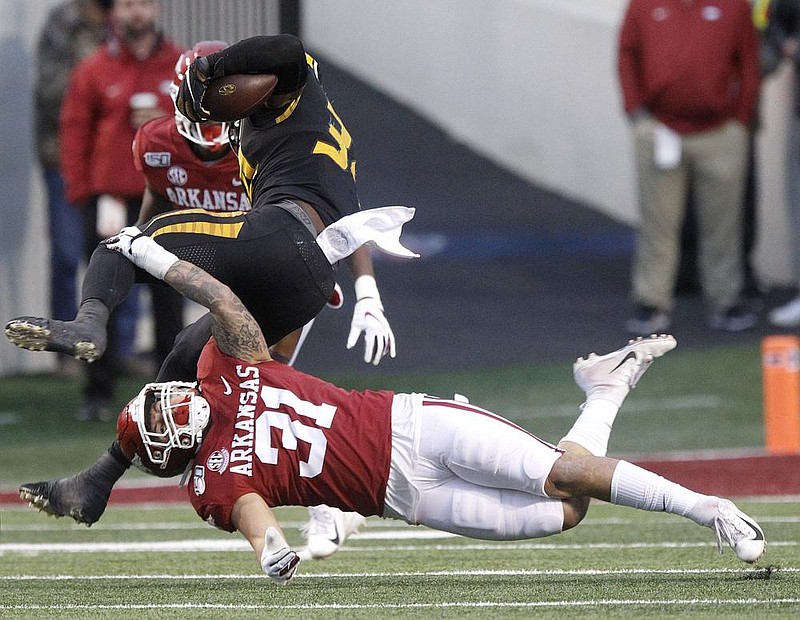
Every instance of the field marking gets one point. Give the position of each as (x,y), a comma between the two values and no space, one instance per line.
(442,605)
(217,545)
(534,572)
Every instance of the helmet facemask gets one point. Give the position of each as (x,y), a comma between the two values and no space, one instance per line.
(169,416)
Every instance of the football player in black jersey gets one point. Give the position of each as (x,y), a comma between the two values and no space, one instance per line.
(297,162)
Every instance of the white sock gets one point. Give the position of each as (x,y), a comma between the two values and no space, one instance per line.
(592,429)
(638,488)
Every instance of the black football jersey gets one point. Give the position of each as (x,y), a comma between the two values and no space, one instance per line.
(300,151)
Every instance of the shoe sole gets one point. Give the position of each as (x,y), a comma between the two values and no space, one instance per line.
(42,504)
(33,337)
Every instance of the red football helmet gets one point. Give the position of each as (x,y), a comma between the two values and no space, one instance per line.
(162,427)
(210,134)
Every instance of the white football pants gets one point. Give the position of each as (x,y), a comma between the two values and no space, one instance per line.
(462,469)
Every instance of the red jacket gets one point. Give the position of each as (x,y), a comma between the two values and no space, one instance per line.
(693,64)
(95,129)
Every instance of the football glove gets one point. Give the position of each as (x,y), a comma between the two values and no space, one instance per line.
(142,251)
(278,561)
(368,317)
(192,90)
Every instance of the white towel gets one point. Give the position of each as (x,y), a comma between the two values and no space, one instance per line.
(381,226)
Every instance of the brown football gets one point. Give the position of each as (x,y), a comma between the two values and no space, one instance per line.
(232,97)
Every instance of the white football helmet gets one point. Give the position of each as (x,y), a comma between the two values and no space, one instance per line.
(210,134)
(184,415)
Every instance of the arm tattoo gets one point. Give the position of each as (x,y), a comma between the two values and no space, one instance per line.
(234,328)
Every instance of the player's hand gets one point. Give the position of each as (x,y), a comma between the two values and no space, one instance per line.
(192,90)
(278,561)
(121,242)
(368,318)
(142,251)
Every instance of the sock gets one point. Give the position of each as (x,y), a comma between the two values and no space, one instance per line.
(592,429)
(638,488)
(93,312)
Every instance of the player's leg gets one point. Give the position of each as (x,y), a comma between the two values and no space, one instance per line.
(625,484)
(606,381)
(460,507)
(107,281)
(84,496)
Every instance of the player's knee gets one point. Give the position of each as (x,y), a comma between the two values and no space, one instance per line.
(566,478)
(574,511)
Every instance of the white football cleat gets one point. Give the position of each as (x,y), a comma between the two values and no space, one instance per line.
(327,529)
(741,532)
(612,375)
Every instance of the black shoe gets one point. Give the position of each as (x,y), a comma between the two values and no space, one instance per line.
(79,340)
(735,319)
(83,500)
(648,320)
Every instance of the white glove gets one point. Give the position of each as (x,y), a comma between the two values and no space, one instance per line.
(368,317)
(278,561)
(142,251)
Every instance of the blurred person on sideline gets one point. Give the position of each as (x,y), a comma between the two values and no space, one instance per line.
(689,72)
(255,434)
(783,32)
(112,93)
(72,30)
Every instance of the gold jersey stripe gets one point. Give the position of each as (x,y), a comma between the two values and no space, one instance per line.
(228,230)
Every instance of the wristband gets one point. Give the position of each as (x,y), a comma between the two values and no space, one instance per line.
(151,257)
(365,286)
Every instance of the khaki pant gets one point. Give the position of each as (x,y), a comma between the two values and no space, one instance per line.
(714,162)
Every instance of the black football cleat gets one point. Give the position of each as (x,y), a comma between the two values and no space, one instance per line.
(76,497)
(75,339)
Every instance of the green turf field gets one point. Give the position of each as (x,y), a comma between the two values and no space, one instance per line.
(163,562)
(688,400)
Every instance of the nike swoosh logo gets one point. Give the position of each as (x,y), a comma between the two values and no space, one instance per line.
(757,530)
(630,355)
(335,539)
(228,389)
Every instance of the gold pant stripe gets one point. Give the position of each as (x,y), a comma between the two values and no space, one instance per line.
(228,230)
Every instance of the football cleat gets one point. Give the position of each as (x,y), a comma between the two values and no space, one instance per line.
(614,374)
(79,497)
(741,532)
(327,529)
(69,337)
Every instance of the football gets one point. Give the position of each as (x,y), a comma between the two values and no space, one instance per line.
(232,97)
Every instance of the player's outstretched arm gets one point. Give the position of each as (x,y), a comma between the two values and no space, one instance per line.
(257,523)
(235,330)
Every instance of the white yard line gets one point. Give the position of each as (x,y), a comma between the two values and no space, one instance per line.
(235,544)
(751,602)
